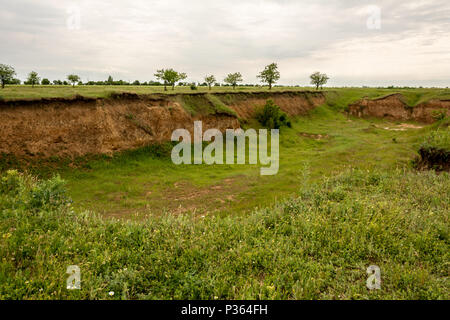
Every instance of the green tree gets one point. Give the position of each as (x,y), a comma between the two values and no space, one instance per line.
(110,80)
(210,80)
(73,79)
(319,79)
(45,82)
(233,79)
(6,74)
(33,78)
(270,75)
(170,77)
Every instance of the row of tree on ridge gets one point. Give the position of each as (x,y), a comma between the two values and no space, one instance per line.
(168,77)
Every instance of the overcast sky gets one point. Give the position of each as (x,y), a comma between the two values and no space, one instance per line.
(356,42)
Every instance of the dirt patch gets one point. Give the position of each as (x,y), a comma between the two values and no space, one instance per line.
(402,127)
(394,107)
(293,103)
(433,158)
(314,136)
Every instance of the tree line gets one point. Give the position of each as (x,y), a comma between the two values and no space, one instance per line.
(167,78)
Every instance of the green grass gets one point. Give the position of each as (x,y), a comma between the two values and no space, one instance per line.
(137,181)
(338,96)
(316,245)
(18,92)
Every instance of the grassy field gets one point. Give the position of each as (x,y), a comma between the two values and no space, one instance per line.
(316,245)
(141,182)
(346,197)
(341,96)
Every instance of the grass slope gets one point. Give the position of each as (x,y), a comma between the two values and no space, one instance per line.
(317,245)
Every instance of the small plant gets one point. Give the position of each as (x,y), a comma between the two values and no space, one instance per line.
(193,87)
(439,115)
(271,116)
(48,194)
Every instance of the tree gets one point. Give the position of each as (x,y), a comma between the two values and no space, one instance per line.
(6,74)
(33,78)
(319,79)
(233,79)
(210,80)
(73,78)
(170,77)
(271,116)
(270,75)
(45,82)
(110,80)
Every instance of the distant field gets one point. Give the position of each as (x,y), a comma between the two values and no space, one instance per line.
(28,92)
(342,96)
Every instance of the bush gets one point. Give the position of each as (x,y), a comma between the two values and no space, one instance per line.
(271,116)
(33,195)
(439,115)
(193,87)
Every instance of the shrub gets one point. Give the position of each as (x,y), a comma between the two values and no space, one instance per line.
(49,194)
(271,116)
(439,115)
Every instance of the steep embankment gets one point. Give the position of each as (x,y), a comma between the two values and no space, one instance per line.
(395,107)
(80,126)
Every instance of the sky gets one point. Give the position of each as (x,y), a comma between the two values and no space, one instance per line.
(356,42)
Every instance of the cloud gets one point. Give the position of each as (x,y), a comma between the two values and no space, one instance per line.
(130,40)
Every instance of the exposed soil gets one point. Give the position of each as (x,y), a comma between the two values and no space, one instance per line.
(314,136)
(394,107)
(432,158)
(293,103)
(402,127)
(79,126)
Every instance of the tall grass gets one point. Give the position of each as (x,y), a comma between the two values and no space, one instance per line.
(316,245)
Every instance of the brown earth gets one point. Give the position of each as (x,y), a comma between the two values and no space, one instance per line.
(293,103)
(80,126)
(394,107)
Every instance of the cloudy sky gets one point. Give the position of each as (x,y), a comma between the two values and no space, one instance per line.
(356,42)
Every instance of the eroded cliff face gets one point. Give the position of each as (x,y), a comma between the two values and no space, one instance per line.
(293,103)
(80,126)
(394,107)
